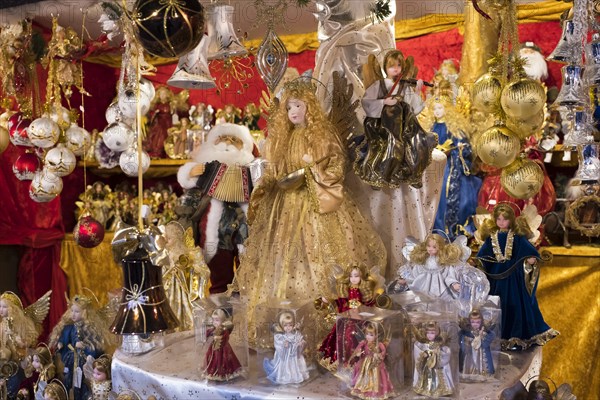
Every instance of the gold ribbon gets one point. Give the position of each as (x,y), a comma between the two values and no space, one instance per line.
(128,239)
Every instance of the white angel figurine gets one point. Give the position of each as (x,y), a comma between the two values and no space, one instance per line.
(432,375)
(288,364)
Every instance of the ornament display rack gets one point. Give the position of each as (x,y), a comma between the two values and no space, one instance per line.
(158,168)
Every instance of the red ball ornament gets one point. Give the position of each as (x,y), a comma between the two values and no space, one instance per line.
(25,166)
(88,232)
(17,129)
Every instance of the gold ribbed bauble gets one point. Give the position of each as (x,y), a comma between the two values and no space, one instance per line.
(522,179)
(526,127)
(486,93)
(523,98)
(498,146)
(4,139)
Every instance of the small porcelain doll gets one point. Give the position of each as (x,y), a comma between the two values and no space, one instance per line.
(99,377)
(370,378)
(288,364)
(431,270)
(475,357)
(251,117)
(81,332)
(511,264)
(41,361)
(55,391)
(432,375)
(220,362)
(160,120)
(355,288)
(229,113)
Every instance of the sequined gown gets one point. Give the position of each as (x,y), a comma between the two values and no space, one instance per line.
(370,378)
(432,375)
(298,235)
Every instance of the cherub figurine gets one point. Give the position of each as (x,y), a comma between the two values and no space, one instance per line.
(251,117)
(220,362)
(395,148)
(98,374)
(81,332)
(475,358)
(160,120)
(177,142)
(43,365)
(511,264)
(370,378)
(19,330)
(432,375)
(201,115)
(55,391)
(431,269)
(229,113)
(288,364)
(355,287)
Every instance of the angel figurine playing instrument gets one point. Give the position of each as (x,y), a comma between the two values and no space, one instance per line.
(395,148)
(288,365)
(370,378)
(432,375)
(19,330)
(475,360)
(511,264)
(220,361)
(431,268)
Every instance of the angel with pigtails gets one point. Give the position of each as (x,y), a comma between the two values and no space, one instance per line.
(19,329)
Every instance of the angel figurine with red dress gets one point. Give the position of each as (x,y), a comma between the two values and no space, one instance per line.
(220,361)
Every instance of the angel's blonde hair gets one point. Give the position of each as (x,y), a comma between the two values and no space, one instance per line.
(366,285)
(21,324)
(285,317)
(517,224)
(448,253)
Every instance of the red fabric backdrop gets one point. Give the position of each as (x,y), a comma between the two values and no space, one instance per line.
(39,228)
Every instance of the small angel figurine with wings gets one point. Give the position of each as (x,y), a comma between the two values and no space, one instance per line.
(19,330)
(41,361)
(98,374)
(511,264)
(432,375)
(475,361)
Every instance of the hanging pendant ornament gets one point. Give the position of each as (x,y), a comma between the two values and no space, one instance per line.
(486,93)
(129,161)
(60,115)
(522,179)
(60,161)
(118,136)
(591,75)
(222,40)
(168,28)
(589,163)
(566,49)
(45,186)
(497,146)
(17,126)
(523,98)
(113,114)
(88,232)
(581,130)
(573,92)
(43,132)
(272,59)
(26,166)
(525,127)
(128,98)
(77,139)
(192,69)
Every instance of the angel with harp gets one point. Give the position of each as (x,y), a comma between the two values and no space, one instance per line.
(432,374)
(19,330)
(302,220)
(475,361)
(395,148)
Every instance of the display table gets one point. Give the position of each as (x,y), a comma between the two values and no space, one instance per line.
(171,372)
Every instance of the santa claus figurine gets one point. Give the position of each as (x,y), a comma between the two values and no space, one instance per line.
(221,177)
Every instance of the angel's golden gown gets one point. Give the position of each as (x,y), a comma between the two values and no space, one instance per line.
(299,235)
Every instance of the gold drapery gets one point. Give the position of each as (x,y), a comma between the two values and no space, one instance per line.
(569,297)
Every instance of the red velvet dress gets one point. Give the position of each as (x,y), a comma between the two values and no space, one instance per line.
(329,346)
(160,121)
(221,363)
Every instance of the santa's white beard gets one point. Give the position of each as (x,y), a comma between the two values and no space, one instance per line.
(224,153)
(536,67)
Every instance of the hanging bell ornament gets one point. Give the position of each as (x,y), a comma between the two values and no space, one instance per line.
(117,136)
(222,40)
(43,132)
(17,126)
(129,161)
(45,186)
(168,28)
(88,232)
(573,92)
(591,75)
(60,161)
(589,163)
(522,179)
(272,59)
(486,93)
(526,127)
(523,98)
(581,130)
(78,139)
(566,51)
(192,69)
(498,146)
(25,166)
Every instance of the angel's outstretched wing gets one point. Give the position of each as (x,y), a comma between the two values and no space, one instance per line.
(409,244)
(39,310)
(461,242)
(379,280)
(481,214)
(343,110)
(534,220)
(88,368)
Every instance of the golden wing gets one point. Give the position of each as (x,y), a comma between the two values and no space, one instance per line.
(343,109)
(39,310)
(188,238)
(534,220)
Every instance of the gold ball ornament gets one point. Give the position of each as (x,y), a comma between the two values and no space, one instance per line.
(4,139)
(526,127)
(486,93)
(522,179)
(498,146)
(523,98)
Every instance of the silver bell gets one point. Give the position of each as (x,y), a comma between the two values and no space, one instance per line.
(581,130)
(573,92)
(192,70)
(223,41)
(566,50)
(589,163)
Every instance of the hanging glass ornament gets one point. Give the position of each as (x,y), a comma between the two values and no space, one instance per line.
(60,115)
(591,75)
(60,161)
(498,146)
(522,179)
(25,166)
(589,163)
(523,98)
(486,93)
(581,129)
(88,232)
(525,127)
(573,92)
(77,139)
(192,69)
(17,126)
(566,50)
(45,186)
(168,28)
(43,132)
(118,136)
(4,139)
(129,161)
(128,98)
(222,40)
(271,59)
